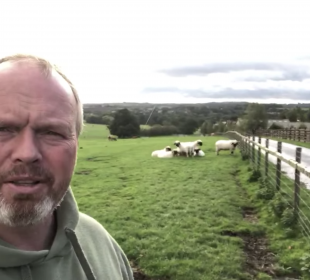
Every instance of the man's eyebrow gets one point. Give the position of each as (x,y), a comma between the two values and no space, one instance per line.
(52,124)
(58,125)
(4,122)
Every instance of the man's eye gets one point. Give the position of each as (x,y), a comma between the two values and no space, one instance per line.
(53,133)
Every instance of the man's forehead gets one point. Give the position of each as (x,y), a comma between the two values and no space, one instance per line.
(26,88)
(30,72)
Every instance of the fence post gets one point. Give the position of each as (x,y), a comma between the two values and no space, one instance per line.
(241,147)
(297,182)
(266,158)
(259,153)
(278,179)
(253,149)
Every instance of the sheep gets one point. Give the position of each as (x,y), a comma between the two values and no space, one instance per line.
(182,146)
(188,147)
(167,154)
(178,152)
(199,153)
(226,145)
(196,145)
(112,138)
(166,149)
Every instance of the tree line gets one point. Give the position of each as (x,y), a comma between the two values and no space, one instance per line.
(187,119)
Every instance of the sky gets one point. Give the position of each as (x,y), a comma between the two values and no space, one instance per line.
(168,51)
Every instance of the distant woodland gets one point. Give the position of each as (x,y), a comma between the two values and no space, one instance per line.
(125,119)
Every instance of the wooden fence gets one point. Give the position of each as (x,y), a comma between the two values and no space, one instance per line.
(301,135)
(255,151)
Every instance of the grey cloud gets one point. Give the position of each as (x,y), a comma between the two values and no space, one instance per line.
(293,72)
(300,94)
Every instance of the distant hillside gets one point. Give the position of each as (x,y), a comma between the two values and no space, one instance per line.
(175,114)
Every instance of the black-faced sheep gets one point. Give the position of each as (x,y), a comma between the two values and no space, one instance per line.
(224,145)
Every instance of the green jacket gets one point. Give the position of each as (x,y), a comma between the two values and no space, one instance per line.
(82,250)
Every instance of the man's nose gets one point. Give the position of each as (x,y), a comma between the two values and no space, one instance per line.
(26,148)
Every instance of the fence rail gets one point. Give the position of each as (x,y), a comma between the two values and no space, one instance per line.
(275,187)
(301,135)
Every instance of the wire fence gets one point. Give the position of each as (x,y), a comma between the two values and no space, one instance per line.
(288,196)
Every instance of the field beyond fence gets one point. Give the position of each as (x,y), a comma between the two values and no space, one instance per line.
(300,135)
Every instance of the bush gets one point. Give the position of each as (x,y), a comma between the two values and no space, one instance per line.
(159,130)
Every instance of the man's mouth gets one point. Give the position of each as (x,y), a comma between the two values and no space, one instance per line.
(28,183)
(25,181)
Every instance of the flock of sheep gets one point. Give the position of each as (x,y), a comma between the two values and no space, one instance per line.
(192,149)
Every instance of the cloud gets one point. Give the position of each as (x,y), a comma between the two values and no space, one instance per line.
(237,93)
(253,71)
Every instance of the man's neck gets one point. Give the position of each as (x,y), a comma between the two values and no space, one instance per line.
(31,238)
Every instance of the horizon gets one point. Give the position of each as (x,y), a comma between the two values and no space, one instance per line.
(175,103)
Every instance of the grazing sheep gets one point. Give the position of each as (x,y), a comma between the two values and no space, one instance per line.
(199,153)
(187,147)
(224,145)
(166,149)
(112,138)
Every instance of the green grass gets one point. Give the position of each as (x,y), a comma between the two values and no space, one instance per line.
(168,214)
(288,242)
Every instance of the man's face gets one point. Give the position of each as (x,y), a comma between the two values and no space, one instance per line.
(38,142)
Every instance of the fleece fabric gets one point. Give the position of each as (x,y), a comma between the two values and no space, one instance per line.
(82,250)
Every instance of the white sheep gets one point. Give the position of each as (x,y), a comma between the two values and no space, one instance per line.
(167,154)
(166,149)
(188,147)
(225,145)
(199,153)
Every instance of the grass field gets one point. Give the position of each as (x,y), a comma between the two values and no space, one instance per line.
(297,143)
(175,218)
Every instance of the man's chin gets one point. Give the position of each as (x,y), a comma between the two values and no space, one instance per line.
(25,212)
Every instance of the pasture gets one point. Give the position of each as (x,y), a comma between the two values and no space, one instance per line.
(175,217)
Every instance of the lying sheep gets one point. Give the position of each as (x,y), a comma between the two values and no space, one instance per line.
(167,154)
(178,152)
(199,153)
(188,147)
(226,145)
(166,149)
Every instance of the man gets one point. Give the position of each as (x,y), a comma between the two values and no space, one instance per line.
(42,233)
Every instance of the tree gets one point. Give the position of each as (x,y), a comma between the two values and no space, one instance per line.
(292,115)
(107,120)
(188,126)
(255,117)
(283,114)
(308,115)
(125,124)
(94,119)
(206,128)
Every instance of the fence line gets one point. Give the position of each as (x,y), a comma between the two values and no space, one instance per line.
(288,198)
(301,135)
